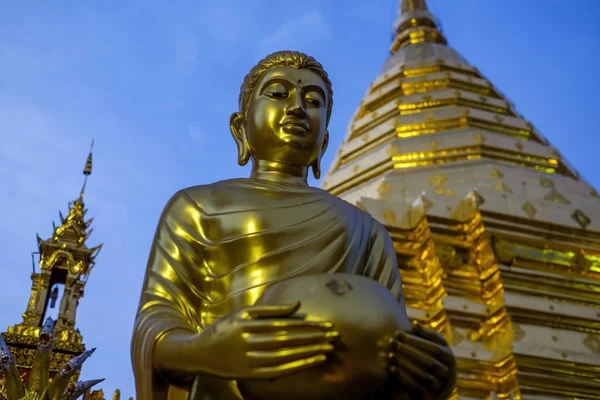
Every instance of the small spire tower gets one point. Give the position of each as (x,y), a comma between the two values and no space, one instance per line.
(65,263)
(497,235)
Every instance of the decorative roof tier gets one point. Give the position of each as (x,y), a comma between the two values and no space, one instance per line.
(497,235)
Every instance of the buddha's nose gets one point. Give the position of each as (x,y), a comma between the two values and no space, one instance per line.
(296,109)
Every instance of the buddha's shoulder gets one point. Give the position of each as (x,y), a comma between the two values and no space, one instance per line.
(235,193)
(222,192)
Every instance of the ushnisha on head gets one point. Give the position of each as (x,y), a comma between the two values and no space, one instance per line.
(285,105)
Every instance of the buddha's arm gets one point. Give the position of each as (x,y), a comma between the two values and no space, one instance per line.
(168,314)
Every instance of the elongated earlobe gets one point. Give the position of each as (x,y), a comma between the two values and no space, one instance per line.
(316,168)
(236,126)
(316,165)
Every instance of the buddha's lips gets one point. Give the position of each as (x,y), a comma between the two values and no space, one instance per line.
(294,124)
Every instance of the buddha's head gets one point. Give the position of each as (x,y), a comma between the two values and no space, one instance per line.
(285,104)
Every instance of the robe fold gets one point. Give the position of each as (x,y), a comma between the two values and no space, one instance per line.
(219,246)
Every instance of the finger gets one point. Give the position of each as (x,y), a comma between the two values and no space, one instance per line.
(289,368)
(278,357)
(431,335)
(273,311)
(288,339)
(423,344)
(408,380)
(262,325)
(440,352)
(406,354)
(418,373)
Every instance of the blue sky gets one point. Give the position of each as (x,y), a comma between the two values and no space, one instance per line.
(154,82)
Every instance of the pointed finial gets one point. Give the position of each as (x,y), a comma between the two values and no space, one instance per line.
(410,5)
(87,170)
(415,24)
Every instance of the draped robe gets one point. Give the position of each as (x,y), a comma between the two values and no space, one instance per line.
(219,246)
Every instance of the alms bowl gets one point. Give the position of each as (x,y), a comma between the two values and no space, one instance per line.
(363,311)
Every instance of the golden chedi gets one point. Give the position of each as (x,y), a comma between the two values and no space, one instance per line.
(219,247)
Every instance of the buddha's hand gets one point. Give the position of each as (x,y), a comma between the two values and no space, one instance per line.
(423,362)
(266,342)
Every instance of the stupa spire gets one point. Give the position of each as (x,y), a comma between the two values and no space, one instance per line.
(415,24)
(494,230)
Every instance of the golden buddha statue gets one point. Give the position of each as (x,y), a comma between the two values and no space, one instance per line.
(216,320)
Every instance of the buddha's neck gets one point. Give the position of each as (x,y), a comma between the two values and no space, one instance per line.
(279,172)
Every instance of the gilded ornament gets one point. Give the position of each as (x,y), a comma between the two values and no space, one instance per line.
(582,219)
(518,332)
(519,145)
(438,180)
(555,197)
(496,173)
(529,209)
(592,342)
(443,191)
(479,138)
(389,216)
(392,150)
(502,187)
(383,188)
(547,183)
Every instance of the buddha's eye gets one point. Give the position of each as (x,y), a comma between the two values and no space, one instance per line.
(314,102)
(277,91)
(277,95)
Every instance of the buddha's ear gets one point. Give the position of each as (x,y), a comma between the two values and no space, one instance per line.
(316,165)
(325,143)
(238,131)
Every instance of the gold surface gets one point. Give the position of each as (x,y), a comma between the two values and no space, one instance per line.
(497,237)
(219,247)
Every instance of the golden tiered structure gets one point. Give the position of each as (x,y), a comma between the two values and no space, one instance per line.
(64,261)
(497,236)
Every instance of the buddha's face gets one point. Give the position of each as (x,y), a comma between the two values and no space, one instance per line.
(286,120)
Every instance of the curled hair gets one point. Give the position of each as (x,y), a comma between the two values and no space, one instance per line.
(284,58)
